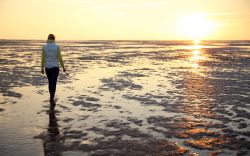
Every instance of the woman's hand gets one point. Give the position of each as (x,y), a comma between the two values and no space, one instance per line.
(64,70)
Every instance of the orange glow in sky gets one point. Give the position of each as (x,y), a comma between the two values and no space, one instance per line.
(125,19)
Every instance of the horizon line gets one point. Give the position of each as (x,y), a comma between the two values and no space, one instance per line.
(131,39)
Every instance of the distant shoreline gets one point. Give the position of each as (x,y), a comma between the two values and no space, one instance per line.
(121,40)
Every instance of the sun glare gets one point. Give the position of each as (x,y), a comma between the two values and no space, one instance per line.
(195,27)
(196,42)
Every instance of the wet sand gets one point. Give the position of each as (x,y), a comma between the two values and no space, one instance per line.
(127,98)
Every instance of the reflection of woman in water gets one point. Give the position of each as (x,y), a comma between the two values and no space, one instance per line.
(51,54)
(51,143)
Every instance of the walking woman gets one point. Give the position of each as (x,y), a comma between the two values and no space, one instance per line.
(51,54)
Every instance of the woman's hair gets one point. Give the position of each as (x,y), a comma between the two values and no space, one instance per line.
(51,37)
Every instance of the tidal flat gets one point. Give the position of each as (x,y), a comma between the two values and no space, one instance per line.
(127,98)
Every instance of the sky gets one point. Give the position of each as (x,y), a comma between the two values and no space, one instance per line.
(125,19)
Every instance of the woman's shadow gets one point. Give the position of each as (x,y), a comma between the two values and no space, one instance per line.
(52,142)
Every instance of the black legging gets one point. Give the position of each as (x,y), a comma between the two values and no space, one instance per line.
(52,74)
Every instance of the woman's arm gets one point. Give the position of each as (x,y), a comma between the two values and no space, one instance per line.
(59,55)
(43,61)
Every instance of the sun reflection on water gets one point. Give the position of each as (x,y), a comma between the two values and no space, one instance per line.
(197,88)
(196,57)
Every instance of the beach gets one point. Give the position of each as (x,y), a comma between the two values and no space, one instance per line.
(127,98)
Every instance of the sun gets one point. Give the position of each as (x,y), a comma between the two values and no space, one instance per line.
(195,26)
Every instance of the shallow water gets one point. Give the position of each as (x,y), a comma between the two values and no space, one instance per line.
(127,98)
